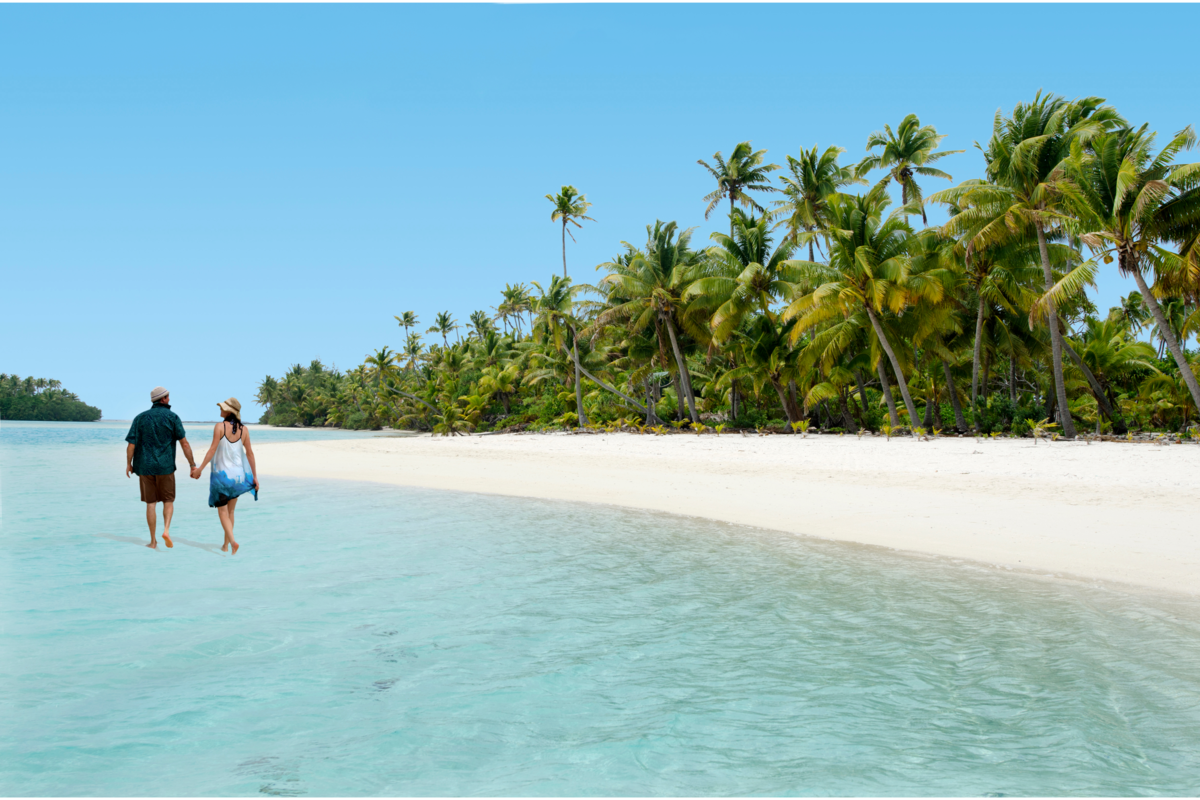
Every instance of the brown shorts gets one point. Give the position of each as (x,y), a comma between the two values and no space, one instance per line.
(158,488)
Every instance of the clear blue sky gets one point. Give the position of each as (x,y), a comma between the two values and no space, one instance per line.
(199,196)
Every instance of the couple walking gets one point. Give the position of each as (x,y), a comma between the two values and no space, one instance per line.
(151,455)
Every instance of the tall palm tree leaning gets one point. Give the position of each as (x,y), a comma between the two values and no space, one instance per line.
(870,269)
(743,172)
(569,207)
(646,290)
(906,153)
(1028,185)
(1128,200)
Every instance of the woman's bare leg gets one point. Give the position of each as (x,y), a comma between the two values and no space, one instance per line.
(226,514)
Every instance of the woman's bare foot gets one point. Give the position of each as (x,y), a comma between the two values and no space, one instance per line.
(225,547)
(235,547)
(167,540)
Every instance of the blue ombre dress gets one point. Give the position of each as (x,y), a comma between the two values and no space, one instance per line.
(230,475)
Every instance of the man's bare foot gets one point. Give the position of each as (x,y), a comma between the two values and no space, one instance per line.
(225,547)
(153,545)
(235,547)
(167,540)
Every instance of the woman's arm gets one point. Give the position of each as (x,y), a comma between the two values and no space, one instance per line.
(212,451)
(250,455)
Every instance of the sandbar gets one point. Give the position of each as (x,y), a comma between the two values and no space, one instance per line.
(1114,513)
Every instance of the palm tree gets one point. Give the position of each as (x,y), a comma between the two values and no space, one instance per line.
(555,308)
(481,323)
(1112,356)
(443,323)
(1127,198)
(813,178)
(742,274)
(906,153)
(413,348)
(556,320)
(869,269)
(998,271)
(569,208)
(381,365)
(1029,191)
(407,320)
(646,290)
(768,357)
(516,301)
(744,172)
(268,392)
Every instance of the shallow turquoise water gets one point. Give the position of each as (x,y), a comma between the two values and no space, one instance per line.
(371,640)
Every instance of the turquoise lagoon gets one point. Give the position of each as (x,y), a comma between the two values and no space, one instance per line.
(370,640)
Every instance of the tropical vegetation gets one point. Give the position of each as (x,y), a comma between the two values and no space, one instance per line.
(837,305)
(41,399)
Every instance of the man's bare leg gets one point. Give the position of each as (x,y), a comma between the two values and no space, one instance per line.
(151,521)
(226,514)
(168,512)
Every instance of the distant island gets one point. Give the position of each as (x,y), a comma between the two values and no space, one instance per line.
(41,399)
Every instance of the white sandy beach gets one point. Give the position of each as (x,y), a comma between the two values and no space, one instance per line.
(1106,512)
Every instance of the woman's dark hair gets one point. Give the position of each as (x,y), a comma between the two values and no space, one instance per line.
(233,420)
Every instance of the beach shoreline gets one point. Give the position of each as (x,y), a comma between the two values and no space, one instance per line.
(1109,513)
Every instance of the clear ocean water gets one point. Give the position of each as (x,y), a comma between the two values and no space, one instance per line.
(370,640)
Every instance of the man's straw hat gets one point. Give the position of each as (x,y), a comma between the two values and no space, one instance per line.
(232,405)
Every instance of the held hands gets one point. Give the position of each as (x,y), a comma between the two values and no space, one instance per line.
(196,473)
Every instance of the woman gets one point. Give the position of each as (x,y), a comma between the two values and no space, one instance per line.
(233,470)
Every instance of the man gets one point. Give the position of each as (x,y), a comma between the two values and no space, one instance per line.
(151,454)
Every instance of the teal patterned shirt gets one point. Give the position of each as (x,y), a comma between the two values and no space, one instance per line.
(153,436)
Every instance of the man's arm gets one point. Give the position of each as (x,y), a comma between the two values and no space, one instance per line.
(187,452)
(128,459)
(182,437)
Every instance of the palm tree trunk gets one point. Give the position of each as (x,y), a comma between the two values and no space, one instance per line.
(862,392)
(790,409)
(893,417)
(613,390)
(406,394)
(678,394)
(975,364)
(1166,335)
(847,419)
(682,364)
(730,214)
(564,245)
(578,382)
(651,416)
(960,423)
(1098,392)
(1012,378)
(1060,385)
(887,348)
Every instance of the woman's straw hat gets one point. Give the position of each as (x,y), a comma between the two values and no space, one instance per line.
(232,405)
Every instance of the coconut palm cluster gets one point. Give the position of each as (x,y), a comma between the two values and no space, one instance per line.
(33,398)
(829,305)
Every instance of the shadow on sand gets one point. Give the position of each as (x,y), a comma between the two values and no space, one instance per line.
(211,548)
(131,540)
